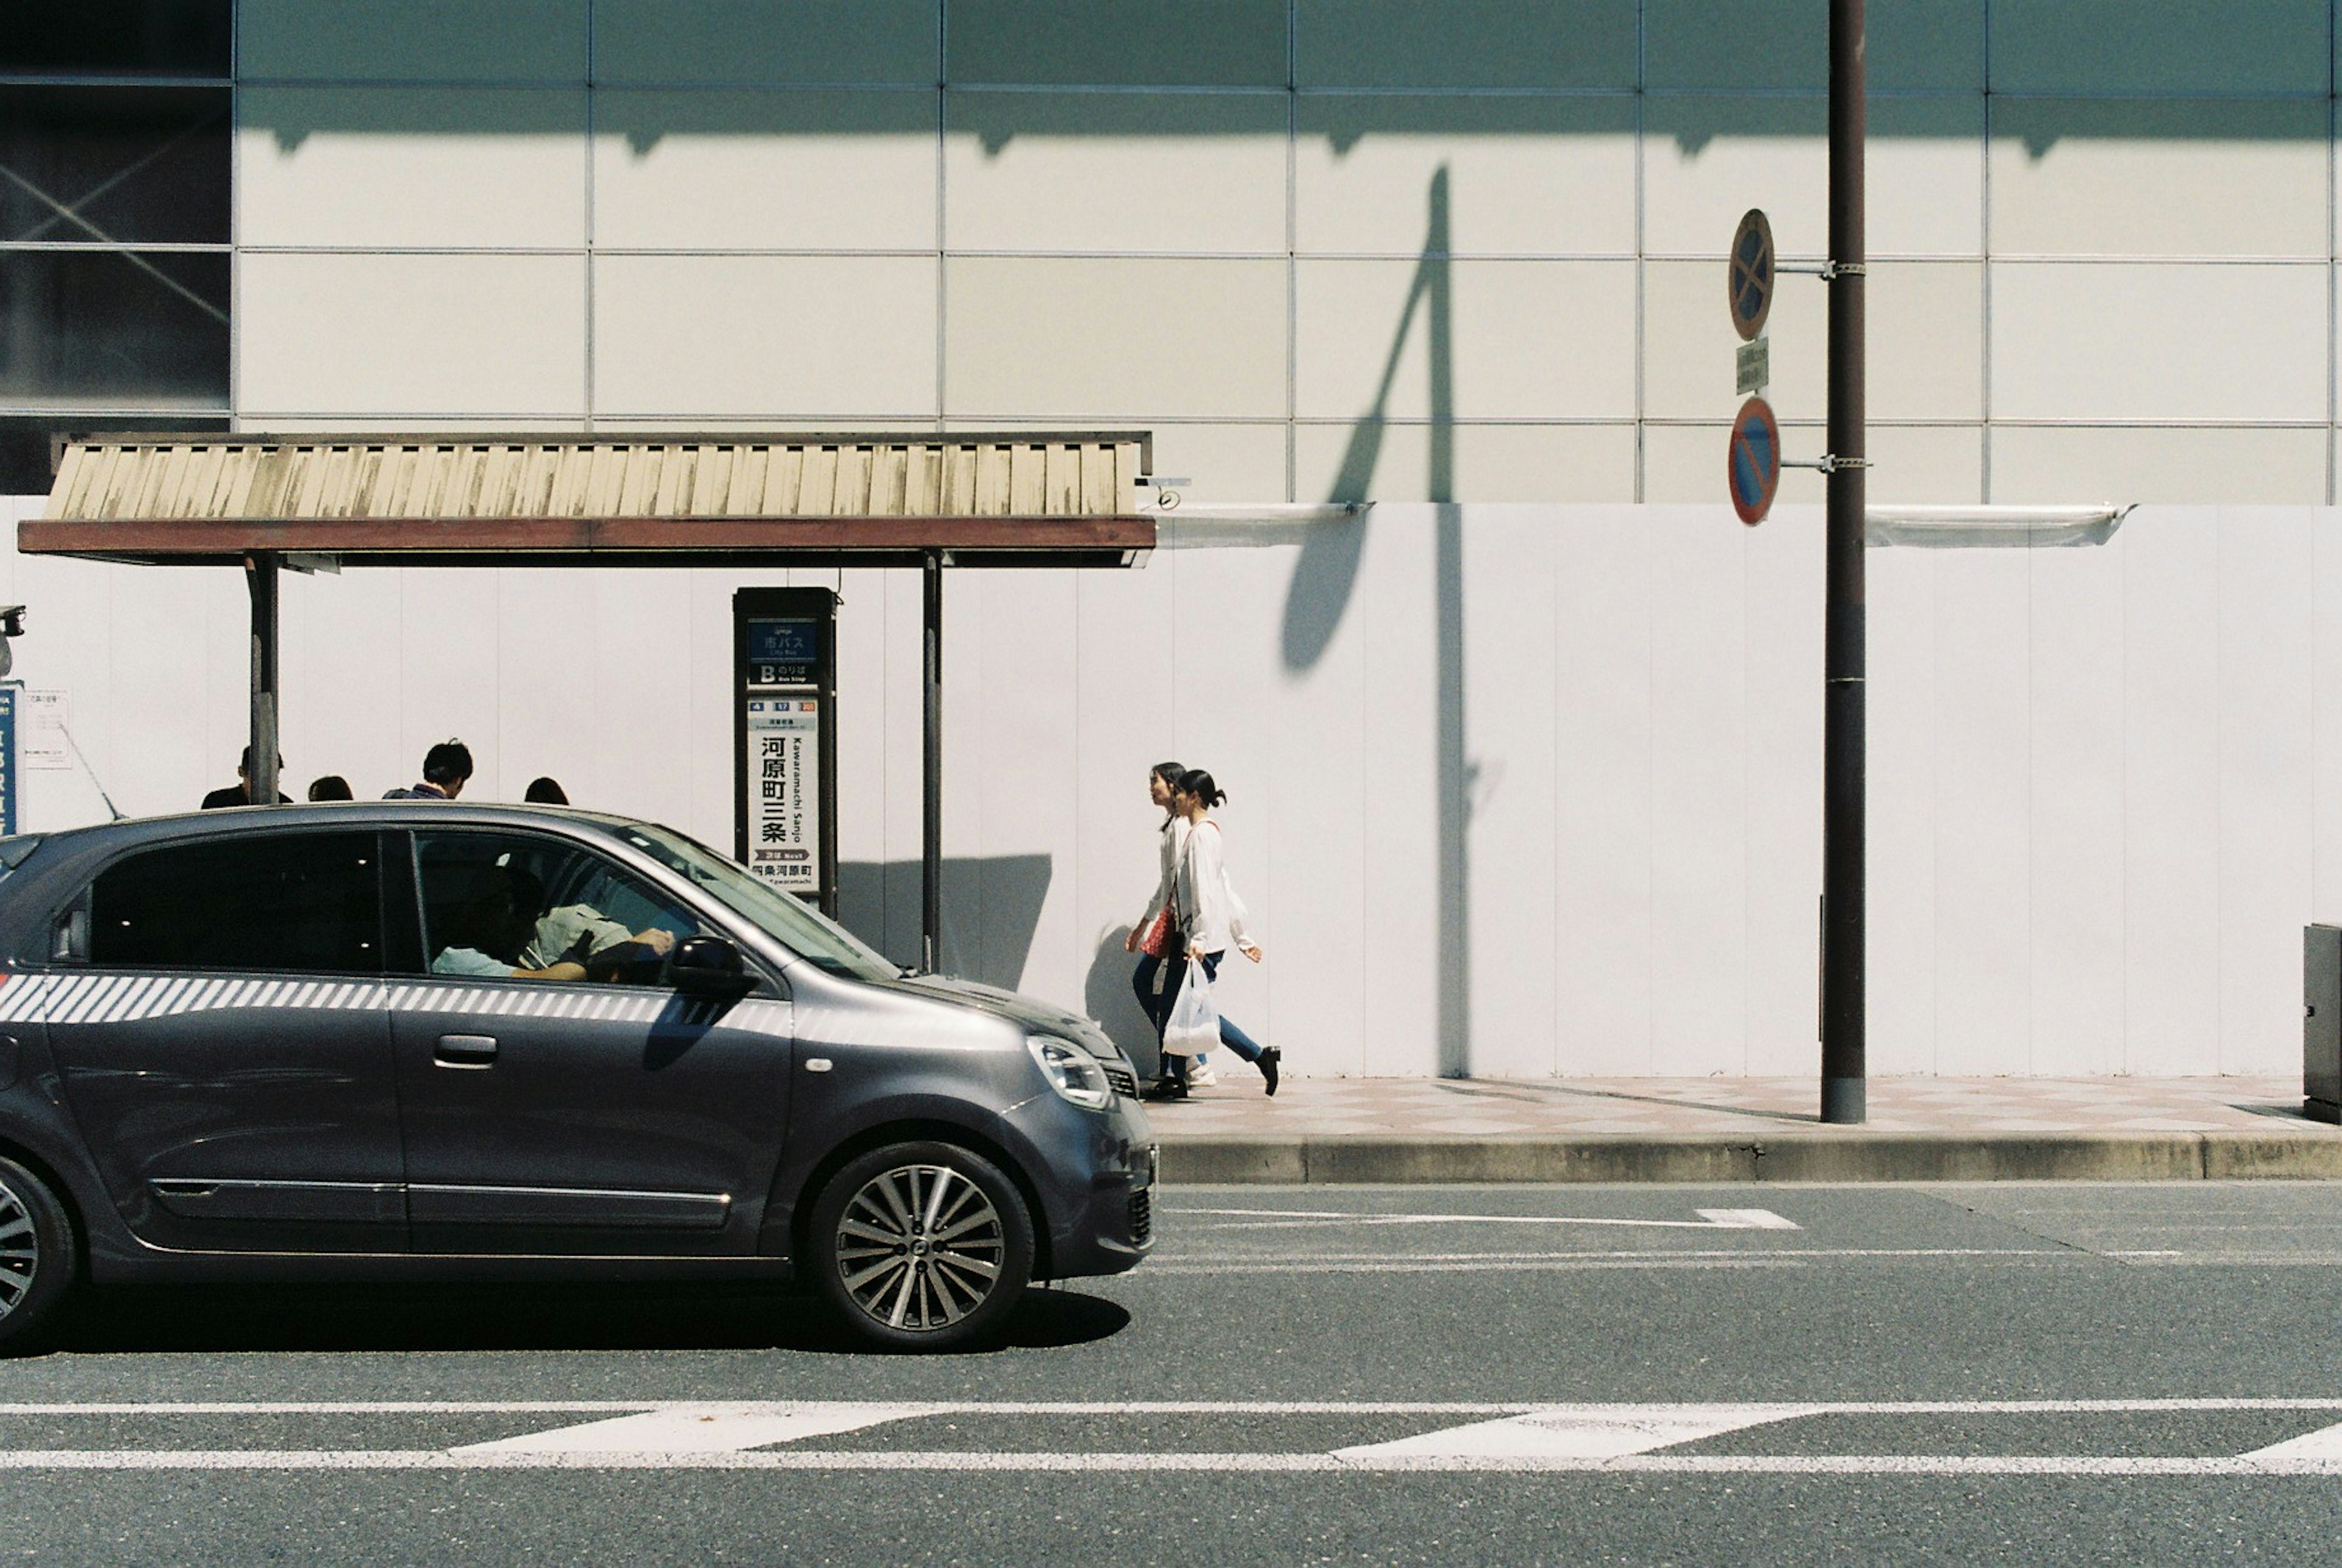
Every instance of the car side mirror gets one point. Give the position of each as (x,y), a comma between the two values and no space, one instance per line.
(707,965)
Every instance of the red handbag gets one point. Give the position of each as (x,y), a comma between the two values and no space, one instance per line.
(1155,940)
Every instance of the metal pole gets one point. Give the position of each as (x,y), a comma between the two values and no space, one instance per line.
(931,756)
(260,580)
(1843,786)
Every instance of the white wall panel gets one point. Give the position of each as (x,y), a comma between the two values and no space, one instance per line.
(795,337)
(2095,831)
(2158,341)
(1900,716)
(2171,789)
(377,166)
(777,170)
(1983,919)
(373,334)
(1782,804)
(1509,605)
(1402,883)
(1328,873)
(2076,627)
(1114,172)
(2325,654)
(1699,866)
(1604,590)
(1368,171)
(2265,783)
(1530,339)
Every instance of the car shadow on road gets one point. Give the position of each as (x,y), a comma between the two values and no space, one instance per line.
(513,1317)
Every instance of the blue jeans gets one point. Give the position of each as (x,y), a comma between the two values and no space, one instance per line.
(1159,1008)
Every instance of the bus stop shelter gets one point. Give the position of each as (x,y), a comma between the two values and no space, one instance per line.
(266,504)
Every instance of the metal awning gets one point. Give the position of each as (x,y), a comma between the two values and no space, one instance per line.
(739,499)
(731,499)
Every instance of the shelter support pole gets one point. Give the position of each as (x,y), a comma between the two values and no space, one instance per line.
(1843,789)
(260,581)
(931,759)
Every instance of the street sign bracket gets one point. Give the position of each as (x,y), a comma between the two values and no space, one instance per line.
(1827,270)
(1828,462)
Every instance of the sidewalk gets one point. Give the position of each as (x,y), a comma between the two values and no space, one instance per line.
(1741,1130)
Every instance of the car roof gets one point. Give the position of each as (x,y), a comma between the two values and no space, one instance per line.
(366,813)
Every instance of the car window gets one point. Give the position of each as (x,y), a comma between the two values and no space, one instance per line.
(802,929)
(307,902)
(501,904)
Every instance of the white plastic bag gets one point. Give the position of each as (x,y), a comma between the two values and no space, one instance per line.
(1194,1026)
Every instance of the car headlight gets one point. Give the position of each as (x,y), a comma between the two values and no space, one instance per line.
(1072,1071)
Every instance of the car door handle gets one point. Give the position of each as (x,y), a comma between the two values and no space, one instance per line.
(465,1051)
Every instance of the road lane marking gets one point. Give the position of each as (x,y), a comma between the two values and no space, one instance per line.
(1292,1219)
(1643,1257)
(1584,1432)
(1151,1462)
(2324,1444)
(1495,1437)
(700,1428)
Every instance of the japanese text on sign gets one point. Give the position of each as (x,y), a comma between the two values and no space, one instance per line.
(784,792)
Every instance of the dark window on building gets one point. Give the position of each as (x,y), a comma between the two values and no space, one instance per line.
(114,166)
(107,330)
(116,37)
(114,222)
(296,902)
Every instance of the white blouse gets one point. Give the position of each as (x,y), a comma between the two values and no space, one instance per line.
(1209,910)
(1175,834)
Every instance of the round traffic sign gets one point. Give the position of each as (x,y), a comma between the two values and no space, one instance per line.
(1751,295)
(1752,464)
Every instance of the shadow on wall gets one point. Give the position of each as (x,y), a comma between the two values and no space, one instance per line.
(1325,577)
(992,908)
(1108,1000)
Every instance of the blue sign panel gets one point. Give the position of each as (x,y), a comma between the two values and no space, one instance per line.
(1753,461)
(11,698)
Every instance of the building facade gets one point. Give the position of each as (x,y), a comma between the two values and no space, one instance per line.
(1524,766)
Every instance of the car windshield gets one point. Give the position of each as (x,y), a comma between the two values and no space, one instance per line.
(802,929)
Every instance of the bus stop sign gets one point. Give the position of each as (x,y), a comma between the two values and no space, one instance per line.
(1752,464)
(1751,295)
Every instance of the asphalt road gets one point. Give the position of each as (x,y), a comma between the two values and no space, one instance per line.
(1754,1374)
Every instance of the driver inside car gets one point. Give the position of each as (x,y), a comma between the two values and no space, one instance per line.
(496,934)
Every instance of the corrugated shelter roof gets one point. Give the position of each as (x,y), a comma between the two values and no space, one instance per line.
(672,499)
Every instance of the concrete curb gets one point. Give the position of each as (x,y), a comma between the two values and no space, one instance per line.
(2223,1156)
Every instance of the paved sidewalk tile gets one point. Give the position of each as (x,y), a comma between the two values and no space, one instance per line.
(1772,1107)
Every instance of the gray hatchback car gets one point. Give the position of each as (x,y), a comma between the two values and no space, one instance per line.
(415,1040)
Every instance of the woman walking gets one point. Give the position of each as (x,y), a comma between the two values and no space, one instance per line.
(1209,917)
(1153,936)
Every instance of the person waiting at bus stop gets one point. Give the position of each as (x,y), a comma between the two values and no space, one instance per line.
(445,768)
(240,792)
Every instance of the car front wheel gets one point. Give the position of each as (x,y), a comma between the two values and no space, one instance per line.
(36,1253)
(922,1247)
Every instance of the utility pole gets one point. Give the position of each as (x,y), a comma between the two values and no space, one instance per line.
(1844,767)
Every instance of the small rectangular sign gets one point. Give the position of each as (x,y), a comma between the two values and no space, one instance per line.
(784,792)
(1752,360)
(44,716)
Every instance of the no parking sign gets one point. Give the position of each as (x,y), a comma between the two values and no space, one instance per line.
(1753,462)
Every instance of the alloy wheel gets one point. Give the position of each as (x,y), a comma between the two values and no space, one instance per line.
(919,1247)
(20,1251)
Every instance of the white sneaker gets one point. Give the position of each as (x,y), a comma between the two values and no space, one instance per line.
(1200,1077)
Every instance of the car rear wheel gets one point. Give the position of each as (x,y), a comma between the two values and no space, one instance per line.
(36,1253)
(922,1247)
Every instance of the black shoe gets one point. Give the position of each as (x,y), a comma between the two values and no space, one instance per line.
(1166,1089)
(1269,1058)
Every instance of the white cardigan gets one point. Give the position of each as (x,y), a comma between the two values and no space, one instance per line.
(1175,834)
(1207,908)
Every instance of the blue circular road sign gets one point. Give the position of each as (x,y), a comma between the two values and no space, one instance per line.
(1752,464)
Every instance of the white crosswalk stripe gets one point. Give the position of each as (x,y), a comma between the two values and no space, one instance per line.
(1466,1438)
